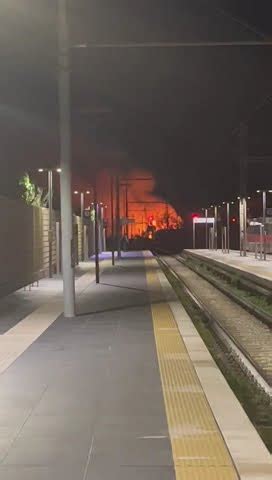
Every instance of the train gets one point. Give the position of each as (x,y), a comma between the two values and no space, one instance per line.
(254,235)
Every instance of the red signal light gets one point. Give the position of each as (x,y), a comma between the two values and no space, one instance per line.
(233,220)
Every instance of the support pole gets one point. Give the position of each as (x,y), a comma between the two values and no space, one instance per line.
(215,227)
(243,159)
(127,232)
(261,241)
(96,236)
(82,225)
(50,229)
(243,185)
(86,249)
(112,222)
(194,234)
(206,229)
(118,222)
(264,244)
(264,220)
(241,216)
(58,269)
(65,162)
(245,225)
(228,228)
(264,208)
(212,238)
(102,229)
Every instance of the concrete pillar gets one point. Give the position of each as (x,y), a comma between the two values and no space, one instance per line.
(65,162)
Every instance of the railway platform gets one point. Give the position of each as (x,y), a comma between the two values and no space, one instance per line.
(125,390)
(257,270)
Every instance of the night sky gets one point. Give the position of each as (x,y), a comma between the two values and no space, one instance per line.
(174,111)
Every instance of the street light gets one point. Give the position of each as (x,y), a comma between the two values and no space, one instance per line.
(264,195)
(50,220)
(215,225)
(206,228)
(41,170)
(205,210)
(228,225)
(243,224)
(82,206)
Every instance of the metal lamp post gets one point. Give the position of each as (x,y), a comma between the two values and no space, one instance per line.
(264,196)
(240,223)
(96,228)
(215,226)
(243,224)
(126,186)
(264,208)
(50,230)
(206,228)
(126,193)
(118,220)
(228,225)
(263,232)
(230,203)
(82,207)
(205,210)
(211,237)
(112,222)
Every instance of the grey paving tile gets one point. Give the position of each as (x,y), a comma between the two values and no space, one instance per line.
(47,452)
(61,407)
(62,427)
(126,451)
(18,400)
(131,423)
(135,409)
(40,473)
(116,472)
(9,432)
(13,416)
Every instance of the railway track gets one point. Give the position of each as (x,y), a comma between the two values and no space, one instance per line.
(249,339)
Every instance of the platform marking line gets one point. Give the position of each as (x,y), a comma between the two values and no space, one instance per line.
(198,448)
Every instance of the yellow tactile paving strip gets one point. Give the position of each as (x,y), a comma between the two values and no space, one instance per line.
(199,451)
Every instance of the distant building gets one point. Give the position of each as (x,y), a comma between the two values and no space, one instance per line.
(141,212)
